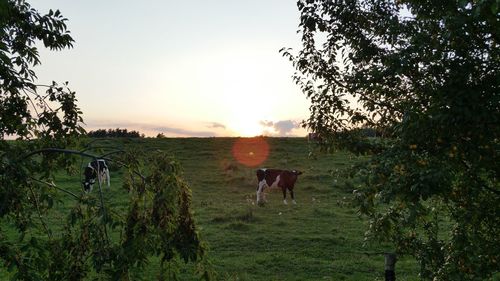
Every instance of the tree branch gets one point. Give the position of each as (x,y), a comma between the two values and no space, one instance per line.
(468,166)
(37,205)
(103,209)
(56,187)
(59,150)
(68,151)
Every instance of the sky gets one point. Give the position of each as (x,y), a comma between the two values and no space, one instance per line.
(197,68)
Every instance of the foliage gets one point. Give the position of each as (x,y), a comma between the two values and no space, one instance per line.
(45,126)
(24,113)
(425,75)
(114,133)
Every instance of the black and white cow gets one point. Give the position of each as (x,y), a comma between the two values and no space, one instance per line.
(274,177)
(95,170)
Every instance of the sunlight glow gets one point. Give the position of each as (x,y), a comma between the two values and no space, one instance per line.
(246,127)
(205,77)
(243,88)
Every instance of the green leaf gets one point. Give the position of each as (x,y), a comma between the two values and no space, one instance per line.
(494,8)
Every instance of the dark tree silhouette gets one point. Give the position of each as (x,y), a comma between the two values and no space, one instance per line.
(93,236)
(425,74)
(114,133)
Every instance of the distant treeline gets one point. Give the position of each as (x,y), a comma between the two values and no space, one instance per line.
(370,132)
(114,133)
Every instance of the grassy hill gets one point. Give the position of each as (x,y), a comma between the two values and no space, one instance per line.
(320,238)
(317,239)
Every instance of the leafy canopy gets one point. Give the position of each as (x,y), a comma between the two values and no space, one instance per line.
(425,76)
(95,238)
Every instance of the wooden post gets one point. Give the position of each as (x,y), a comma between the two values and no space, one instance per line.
(390,264)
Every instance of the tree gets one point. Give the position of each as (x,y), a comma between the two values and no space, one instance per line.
(425,74)
(115,133)
(40,134)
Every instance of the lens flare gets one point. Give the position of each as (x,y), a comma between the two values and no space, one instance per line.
(250,152)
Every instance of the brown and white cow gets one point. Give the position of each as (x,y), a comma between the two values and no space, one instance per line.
(313,138)
(284,179)
(95,170)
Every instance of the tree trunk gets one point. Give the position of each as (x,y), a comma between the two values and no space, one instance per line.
(390,263)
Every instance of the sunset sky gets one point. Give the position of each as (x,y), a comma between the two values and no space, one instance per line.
(182,68)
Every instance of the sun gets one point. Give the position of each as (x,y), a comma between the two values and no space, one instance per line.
(245,116)
(246,127)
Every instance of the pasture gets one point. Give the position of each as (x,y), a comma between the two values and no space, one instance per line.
(320,238)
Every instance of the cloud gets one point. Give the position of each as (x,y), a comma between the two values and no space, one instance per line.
(266,123)
(215,125)
(282,128)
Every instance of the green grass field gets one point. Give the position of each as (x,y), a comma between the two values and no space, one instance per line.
(320,238)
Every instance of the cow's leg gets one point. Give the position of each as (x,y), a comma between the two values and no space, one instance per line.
(258,192)
(106,172)
(291,194)
(260,189)
(284,195)
(262,193)
(100,178)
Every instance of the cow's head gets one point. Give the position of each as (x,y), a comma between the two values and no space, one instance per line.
(89,180)
(87,185)
(295,172)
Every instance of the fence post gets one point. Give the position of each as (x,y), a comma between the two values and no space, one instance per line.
(390,264)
